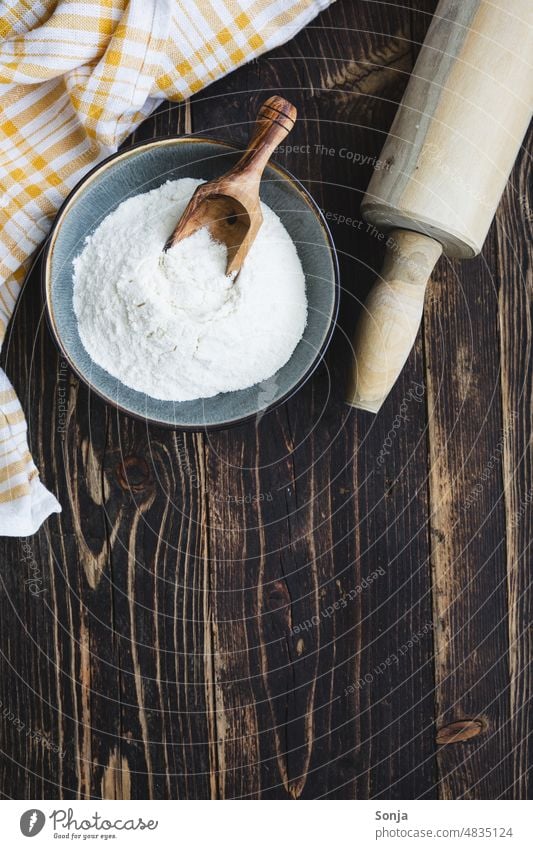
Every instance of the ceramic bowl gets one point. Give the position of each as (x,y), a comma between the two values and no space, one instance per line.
(145,167)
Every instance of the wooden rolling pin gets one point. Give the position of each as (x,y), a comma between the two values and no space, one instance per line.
(447,159)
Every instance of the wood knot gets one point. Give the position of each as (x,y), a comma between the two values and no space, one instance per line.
(133,473)
(460,731)
(438,534)
(278,595)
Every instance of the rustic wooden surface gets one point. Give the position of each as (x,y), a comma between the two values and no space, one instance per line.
(180,637)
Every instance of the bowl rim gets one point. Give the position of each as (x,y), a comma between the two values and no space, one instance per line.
(46,282)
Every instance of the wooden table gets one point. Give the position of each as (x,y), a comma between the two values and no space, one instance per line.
(299,607)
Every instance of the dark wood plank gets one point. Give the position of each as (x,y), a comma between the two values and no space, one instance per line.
(468,524)
(264,612)
(514,229)
(466,439)
(329,516)
(469,432)
(108,663)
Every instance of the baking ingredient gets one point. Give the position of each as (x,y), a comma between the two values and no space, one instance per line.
(173,325)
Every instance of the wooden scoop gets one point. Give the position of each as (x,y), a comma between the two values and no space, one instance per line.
(229,206)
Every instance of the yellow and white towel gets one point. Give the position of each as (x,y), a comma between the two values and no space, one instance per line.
(75,79)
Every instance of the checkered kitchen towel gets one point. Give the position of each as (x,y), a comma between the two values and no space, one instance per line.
(75,79)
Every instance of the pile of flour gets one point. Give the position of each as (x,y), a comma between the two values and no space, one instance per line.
(173,325)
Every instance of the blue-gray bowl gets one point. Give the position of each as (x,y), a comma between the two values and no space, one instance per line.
(145,167)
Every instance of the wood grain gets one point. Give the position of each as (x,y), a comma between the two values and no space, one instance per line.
(514,229)
(390,321)
(297,607)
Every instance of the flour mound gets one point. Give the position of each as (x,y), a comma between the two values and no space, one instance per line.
(173,325)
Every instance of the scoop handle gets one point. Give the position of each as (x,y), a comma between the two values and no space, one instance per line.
(390,318)
(274,121)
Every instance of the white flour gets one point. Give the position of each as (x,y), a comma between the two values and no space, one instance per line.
(173,325)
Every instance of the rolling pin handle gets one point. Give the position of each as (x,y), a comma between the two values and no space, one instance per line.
(390,318)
